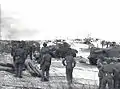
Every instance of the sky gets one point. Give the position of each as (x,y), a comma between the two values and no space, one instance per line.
(49,19)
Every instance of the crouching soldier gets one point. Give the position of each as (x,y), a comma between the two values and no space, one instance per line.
(20,57)
(70,64)
(45,62)
(107,77)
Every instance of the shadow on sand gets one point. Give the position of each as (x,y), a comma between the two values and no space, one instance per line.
(7,67)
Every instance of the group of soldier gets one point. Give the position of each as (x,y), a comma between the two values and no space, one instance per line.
(43,57)
(109,68)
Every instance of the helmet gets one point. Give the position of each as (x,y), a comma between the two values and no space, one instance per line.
(44,44)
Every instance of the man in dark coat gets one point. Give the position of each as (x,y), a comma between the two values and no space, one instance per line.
(70,64)
(45,62)
(20,56)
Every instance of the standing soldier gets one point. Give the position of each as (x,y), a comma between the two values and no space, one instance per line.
(70,64)
(14,47)
(45,62)
(107,71)
(100,62)
(20,57)
(116,74)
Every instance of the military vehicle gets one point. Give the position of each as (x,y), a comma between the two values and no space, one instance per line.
(111,52)
(93,56)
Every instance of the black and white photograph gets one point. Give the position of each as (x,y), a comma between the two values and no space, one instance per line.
(59,44)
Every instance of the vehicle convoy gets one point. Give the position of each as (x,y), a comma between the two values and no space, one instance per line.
(111,53)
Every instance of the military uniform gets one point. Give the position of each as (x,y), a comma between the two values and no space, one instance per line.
(107,74)
(70,64)
(13,54)
(20,57)
(45,62)
(45,66)
(116,73)
(100,73)
(100,62)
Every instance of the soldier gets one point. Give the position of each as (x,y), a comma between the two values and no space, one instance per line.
(20,57)
(116,74)
(70,64)
(100,62)
(107,76)
(45,62)
(14,47)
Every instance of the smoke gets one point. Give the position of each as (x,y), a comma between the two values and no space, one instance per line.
(11,29)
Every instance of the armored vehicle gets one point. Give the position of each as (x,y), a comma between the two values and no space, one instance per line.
(111,52)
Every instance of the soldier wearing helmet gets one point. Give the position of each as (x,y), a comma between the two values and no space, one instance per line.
(69,62)
(107,76)
(45,62)
(20,56)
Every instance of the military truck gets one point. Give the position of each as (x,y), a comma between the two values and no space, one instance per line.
(111,52)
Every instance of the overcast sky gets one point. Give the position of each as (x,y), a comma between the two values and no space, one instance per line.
(65,18)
